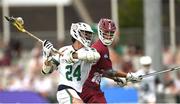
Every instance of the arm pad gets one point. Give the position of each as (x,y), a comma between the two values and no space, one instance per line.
(88,54)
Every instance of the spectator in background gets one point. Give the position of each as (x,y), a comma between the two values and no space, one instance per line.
(34,67)
(168,57)
(16,77)
(177,85)
(5,54)
(159,90)
(16,51)
(115,52)
(169,88)
(128,56)
(35,63)
(34,80)
(177,57)
(146,89)
(136,57)
(46,82)
(131,58)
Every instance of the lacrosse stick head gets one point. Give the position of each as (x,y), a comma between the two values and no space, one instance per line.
(17,22)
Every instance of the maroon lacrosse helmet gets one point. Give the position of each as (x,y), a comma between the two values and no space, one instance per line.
(106,30)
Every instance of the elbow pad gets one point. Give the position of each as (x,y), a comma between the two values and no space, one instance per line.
(89,55)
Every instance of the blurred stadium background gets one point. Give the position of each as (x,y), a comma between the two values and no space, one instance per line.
(146,27)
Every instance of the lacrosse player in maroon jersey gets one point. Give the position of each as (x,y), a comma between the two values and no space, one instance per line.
(91,92)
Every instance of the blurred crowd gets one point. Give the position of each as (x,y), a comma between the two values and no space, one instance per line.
(20,70)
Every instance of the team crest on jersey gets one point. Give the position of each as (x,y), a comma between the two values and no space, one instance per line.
(97,78)
(106,56)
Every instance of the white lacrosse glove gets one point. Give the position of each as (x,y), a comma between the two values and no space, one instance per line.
(47,48)
(120,81)
(133,77)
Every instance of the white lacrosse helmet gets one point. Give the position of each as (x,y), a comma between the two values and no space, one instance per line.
(82,32)
(106,30)
(145,60)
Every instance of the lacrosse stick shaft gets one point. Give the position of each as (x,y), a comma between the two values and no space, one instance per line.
(30,34)
(39,40)
(160,72)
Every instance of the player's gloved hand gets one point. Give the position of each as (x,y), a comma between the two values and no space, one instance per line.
(69,57)
(120,81)
(47,48)
(133,77)
(89,55)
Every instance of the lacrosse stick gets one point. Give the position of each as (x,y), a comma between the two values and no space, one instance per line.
(19,24)
(160,72)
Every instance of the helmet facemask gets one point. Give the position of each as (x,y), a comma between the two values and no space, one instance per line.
(106,37)
(86,37)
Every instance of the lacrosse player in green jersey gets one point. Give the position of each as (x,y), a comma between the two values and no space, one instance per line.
(73,65)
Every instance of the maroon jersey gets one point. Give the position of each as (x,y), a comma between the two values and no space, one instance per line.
(91,90)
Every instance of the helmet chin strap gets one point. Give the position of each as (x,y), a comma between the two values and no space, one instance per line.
(107,42)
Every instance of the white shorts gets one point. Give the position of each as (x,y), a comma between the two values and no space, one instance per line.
(65,96)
